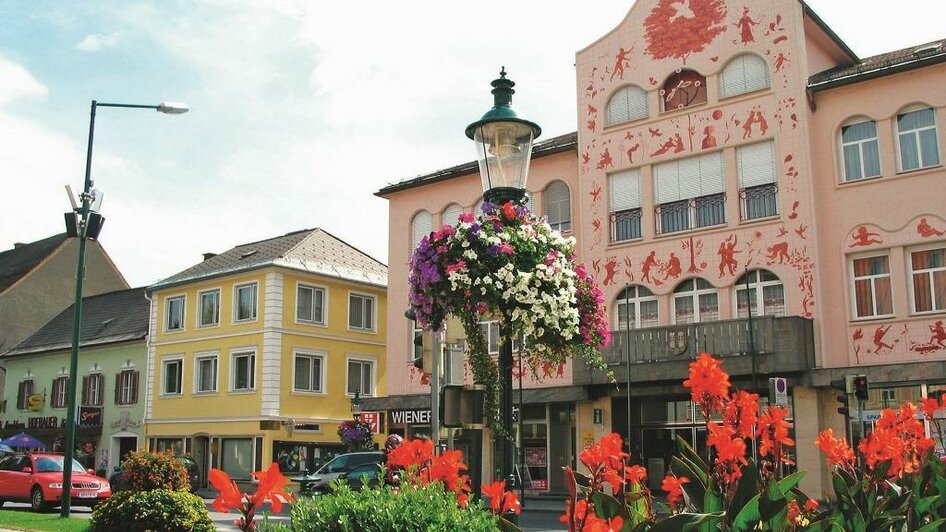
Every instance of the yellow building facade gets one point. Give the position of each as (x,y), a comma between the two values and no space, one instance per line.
(256,353)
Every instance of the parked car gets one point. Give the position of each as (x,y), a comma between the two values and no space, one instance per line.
(36,478)
(119,482)
(365,475)
(318,482)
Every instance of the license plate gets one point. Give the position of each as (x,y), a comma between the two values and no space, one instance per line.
(88,495)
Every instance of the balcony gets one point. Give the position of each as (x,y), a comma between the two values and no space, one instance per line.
(782,345)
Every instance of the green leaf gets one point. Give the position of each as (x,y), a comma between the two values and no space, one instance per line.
(747,489)
(506,526)
(684,522)
(932,527)
(923,505)
(774,507)
(691,455)
(748,516)
(606,506)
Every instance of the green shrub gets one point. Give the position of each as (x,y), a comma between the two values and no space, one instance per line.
(158,509)
(427,508)
(146,470)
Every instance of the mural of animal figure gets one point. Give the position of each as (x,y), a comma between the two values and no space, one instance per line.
(777,252)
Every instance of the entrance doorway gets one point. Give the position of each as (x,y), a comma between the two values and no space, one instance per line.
(201,455)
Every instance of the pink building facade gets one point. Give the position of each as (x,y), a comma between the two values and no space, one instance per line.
(741,183)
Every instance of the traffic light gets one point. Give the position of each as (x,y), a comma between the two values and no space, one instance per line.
(842,386)
(843,410)
(860,387)
(422,356)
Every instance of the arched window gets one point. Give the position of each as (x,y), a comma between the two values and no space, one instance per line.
(557,206)
(745,73)
(421,226)
(860,151)
(451,215)
(695,300)
(636,308)
(917,139)
(627,104)
(682,89)
(763,290)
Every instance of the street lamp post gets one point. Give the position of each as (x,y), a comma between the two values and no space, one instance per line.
(503,144)
(82,229)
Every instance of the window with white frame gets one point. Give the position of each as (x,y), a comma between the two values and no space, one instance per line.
(760,289)
(126,387)
(93,392)
(860,150)
(557,206)
(360,312)
(209,311)
(627,104)
(492,335)
(23,392)
(205,373)
(243,372)
(174,313)
(695,300)
(916,135)
(451,215)
(60,386)
(636,308)
(928,272)
(310,304)
(307,372)
(625,198)
(172,373)
(246,296)
(758,189)
(360,377)
(417,347)
(743,74)
(690,193)
(873,295)
(421,226)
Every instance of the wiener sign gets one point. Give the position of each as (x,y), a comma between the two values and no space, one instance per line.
(89,416)
(410,417)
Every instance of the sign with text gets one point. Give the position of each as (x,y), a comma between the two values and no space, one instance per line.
(89,416)
(48,422)
(410,417)
(373,419)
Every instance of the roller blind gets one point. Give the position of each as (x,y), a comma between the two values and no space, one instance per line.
(421,226)
(755,164)
(628,103)
(688,178)
(746,73)
(451,214)
(625,190)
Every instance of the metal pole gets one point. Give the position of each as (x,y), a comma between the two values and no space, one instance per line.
(76,329)
(627,356)
(522,450)
(435,356)
(505,374)
(751,334)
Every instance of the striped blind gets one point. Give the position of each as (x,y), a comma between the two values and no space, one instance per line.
(689,178)
(628,103)
(625,190)
(745,73)
(755,164)
(451,215)
(421,226)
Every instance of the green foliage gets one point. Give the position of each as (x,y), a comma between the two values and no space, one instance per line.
(156,509)
(146,470)
(426,508)
(41,522)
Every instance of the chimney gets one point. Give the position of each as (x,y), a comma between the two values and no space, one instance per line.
(208,256)
(18,245)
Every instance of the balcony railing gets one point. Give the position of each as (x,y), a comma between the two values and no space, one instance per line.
(780,344)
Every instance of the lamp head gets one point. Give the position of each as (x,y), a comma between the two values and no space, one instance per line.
(173,108)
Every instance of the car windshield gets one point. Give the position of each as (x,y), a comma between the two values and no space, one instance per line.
(46,464)
(335,465)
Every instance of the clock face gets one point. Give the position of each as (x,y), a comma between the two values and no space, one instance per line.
(682,89)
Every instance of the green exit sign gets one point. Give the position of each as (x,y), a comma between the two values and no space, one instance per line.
(598,416)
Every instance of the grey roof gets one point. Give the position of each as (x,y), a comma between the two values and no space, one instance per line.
(18,262)
(910,58)
(544,148)
(312,250)
(108,318)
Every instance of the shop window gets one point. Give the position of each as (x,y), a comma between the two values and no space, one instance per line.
(928,271)
(695,300)
(761,289)
(860,150)
(873,295)
(758,191)
(690,193)
(684,88)
(625,198)
(627,104)
(743,74)
(557,206)
(917,138)
(236,457)
(636,308)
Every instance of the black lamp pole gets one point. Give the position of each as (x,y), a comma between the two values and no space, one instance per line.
(84,232)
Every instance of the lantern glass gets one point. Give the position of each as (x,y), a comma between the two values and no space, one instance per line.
(503,151)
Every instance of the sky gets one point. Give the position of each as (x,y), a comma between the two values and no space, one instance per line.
(300,110)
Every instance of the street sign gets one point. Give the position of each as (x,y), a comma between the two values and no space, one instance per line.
(598,418)
(373,419)
(778,391)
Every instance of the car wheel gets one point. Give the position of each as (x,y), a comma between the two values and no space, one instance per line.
(38,501)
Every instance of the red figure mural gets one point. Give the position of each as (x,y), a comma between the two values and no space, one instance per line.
(727,256)
(677,28)
(855,339)
(939,334)
(755,117)
(709,140)
(654,132)
(605,160)
(673,267)
(595,194)
(801,230)
(621,60)
(780,61)
(794,213)
(745,26)
(695,248)
(629,269)
(926,230)
(777,252)
(862,237)
(674,143)
(648,263)
(610,268)
(879,342)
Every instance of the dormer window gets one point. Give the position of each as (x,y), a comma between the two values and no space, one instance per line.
(684,88)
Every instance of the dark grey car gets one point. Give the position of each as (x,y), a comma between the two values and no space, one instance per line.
(318,482)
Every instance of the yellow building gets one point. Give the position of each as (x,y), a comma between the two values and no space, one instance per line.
(256,353)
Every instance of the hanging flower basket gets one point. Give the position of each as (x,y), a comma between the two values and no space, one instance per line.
(356,435)
(509,265)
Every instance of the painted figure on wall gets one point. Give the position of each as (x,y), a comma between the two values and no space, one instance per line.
(648,263)
(709,139)
(926,230)
(673,268)
(879,342)
(605,160)
(862,237)
(939,334)
(621,60)
(745,25)
(677,28)
(727,256)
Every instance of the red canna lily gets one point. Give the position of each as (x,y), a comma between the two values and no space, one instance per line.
(836,450)
(708,383)
(674,487)
(597,524)
(500,500)
(230,496)
(272,485)
(929,407)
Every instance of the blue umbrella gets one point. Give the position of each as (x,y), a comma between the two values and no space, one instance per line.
(23,440)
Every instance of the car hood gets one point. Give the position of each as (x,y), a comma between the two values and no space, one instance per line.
(56,476)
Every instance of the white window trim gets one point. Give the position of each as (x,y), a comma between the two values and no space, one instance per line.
(860,146)
(129,370)
(163,378)
(101,389)
(198,357)
(200,304)
(852,286)
(64,391)
(896,135)
(908,256)
(236,302)
(308,353)
(237,352)
(636,303)
(374,373)
(325,313)
(167,313)
(693,295)
(374,312)
(759,286)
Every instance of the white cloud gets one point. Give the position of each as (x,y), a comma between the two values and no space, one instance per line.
(95,42)
(17,82)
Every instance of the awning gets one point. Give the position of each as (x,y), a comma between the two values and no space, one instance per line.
(557,394)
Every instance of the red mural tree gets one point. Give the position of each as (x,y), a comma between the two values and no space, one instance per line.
(678,28)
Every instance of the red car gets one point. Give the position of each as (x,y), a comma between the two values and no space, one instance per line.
(37,479)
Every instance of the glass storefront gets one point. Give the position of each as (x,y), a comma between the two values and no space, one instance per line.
(300,457)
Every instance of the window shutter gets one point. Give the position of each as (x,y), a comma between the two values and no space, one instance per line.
(421,226)
(617,108)
(85,390)
(557,204)
(746,73)
(625,191)
(118,388)
(667,182)
(451,215)
(629,103)
(756,72)
(134,387)
(756,164)
(711,174)
(688,173)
